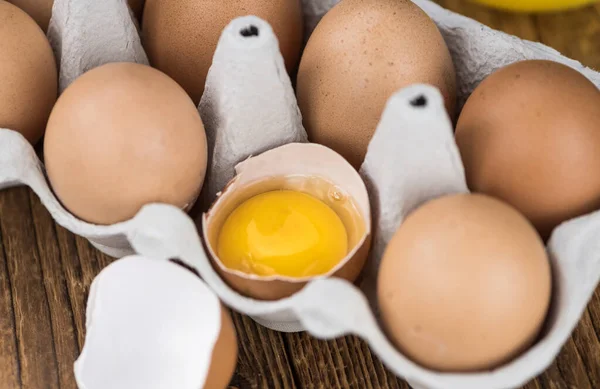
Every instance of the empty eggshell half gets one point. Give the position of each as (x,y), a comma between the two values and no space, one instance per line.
(153,324)
(301,167)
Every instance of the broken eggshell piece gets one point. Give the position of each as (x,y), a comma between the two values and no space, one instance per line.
(154,324)
(294,166)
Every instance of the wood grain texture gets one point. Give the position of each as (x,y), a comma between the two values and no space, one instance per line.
(61,311)
(46,272)
(339,363)
(10,370)
(33,325)
(263,360)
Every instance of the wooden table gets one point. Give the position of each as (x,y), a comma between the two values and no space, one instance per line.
(45,274)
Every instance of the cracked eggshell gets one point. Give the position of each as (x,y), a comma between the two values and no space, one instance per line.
(153,324)
(270,171)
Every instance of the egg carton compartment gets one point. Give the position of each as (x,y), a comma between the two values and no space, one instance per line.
(249,108)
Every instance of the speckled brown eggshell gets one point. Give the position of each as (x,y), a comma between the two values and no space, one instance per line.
(530,135)
(224,356)
(41,10)
(180,36)
(121,136)
(28,74)
(464,284)
(358,56)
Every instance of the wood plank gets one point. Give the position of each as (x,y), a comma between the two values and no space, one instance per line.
(9,354)
(587,345)
(535,384)
(63,325)
(552,378)
(76,287)
(81,263)
(38,364)
(349,363)
(341,363)
(571,367)
(263,361)
(594,312)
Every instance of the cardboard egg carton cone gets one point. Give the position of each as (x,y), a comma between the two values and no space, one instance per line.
(248,105)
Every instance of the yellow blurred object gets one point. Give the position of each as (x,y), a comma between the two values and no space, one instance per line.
(535,5)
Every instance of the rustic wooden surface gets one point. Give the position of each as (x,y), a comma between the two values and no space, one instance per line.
(45,273)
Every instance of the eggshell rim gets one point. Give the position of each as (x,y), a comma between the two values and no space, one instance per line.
(231,186)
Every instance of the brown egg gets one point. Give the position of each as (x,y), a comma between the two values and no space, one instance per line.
(224,356)
(121,136)
(464,284)
(530,135)
(29,79)
(41,10)
(358,56)
(180,36)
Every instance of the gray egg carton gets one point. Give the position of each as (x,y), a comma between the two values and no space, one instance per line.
(249,107)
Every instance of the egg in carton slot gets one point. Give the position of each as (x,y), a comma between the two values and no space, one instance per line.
(252,117)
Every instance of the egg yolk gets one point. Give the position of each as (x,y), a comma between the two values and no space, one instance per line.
(285,233)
